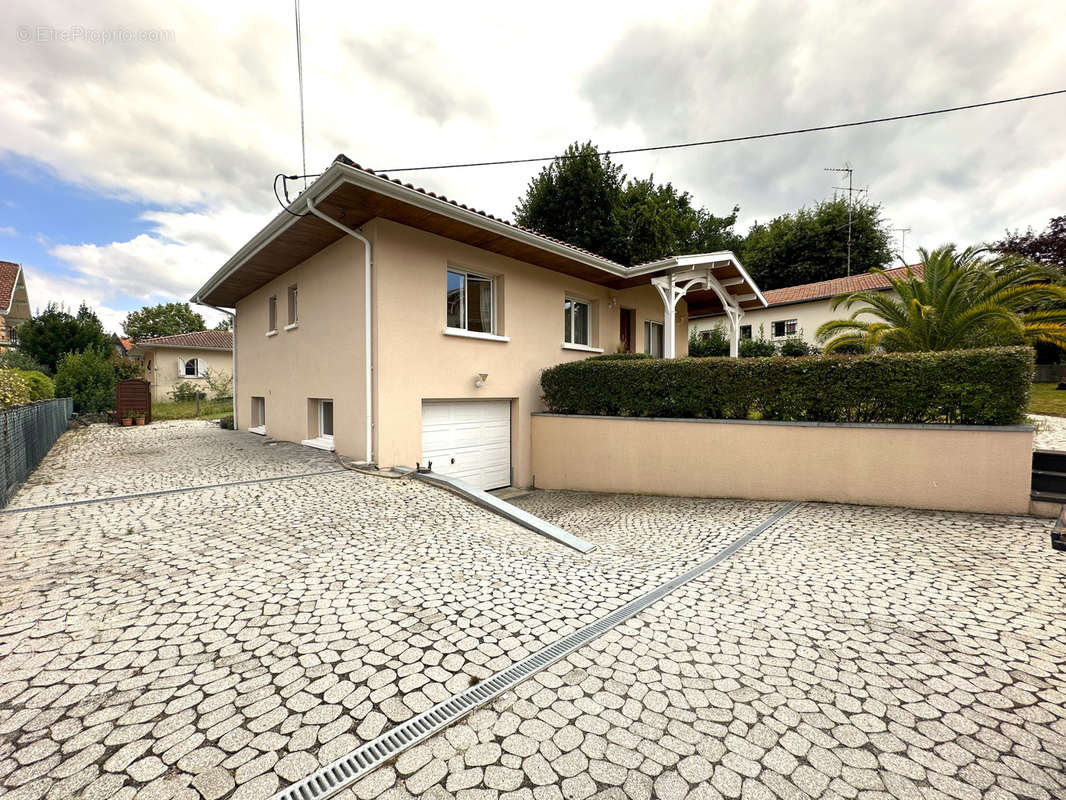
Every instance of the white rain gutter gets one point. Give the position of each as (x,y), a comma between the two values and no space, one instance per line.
(368,266)
(233,352)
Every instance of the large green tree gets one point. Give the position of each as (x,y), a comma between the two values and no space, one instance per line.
(55,332)
(811,244)
(165,319)
(964,299)
(584,199)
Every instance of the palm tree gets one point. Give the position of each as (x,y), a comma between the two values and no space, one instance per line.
(963,299)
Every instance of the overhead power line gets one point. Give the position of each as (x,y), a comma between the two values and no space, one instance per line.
(748,138)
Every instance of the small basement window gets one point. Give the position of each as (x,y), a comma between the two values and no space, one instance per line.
(321,424)
(258,415)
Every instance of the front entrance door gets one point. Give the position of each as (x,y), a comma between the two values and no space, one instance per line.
(625,329)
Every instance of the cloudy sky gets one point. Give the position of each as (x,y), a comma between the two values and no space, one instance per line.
(139,140)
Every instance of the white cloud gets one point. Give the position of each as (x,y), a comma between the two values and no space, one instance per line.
(198,127)
(8,230)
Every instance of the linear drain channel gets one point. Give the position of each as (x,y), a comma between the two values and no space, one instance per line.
(159,492)
(343,772)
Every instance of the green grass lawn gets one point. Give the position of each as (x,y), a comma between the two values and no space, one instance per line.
(186,409)
(1048,400)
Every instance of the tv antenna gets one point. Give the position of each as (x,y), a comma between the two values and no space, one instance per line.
(300,78)
(851,190)
(902,242)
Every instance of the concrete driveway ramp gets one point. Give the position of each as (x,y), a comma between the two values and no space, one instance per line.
(506,510)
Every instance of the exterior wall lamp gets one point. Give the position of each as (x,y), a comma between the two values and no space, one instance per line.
(481,378)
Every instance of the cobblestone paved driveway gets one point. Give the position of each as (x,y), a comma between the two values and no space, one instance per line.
(225,642)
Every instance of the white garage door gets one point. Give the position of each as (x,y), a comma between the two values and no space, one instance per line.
(469,439)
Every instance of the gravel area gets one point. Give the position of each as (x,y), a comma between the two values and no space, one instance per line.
(225,642)
(1050,432)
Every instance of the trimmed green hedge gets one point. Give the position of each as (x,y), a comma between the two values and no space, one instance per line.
(974,387)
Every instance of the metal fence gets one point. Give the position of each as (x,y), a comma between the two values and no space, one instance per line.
(27,433)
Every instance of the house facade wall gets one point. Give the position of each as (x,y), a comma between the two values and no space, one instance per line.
(809,317)
(321,358)
(163,375)
(417,361)
(414,360)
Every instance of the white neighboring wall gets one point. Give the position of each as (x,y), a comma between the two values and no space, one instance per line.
(809,317)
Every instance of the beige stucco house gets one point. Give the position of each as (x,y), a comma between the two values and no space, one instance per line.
(796,312)
(183,358)
(397,326)
(14,303)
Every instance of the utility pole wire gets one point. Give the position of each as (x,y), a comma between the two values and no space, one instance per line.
(727,140)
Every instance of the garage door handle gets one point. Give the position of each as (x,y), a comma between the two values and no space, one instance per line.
(453,460)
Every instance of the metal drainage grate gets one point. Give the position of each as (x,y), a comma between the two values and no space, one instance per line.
(159,492)
(340,774)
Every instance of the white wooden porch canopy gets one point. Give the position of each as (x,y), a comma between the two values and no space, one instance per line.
(708,281)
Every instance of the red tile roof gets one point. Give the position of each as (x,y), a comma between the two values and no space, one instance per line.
(823,290)
(9,273)
(213,340)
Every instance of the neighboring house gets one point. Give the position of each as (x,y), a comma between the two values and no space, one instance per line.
(14,303)
(397,326)
(185,357)
(796,312)
(122,345)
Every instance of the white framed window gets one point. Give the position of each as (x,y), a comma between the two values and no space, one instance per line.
(471,302)
(745,331)
(272,315)
(325,419)
(294,311)
(193,368)
(259,419)
(653,338)
(783,328)
(321,424)
(577,322)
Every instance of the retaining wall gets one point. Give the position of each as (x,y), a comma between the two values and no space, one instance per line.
(947,467)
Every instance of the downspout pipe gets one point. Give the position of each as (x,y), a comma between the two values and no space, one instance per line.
(367,322)
(233,352)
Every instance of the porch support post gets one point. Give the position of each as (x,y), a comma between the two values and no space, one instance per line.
(670,294)
(734,331)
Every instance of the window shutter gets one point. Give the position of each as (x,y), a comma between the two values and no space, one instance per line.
(199,368)
(181,368)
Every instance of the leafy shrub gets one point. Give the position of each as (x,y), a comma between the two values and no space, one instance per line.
(14,391)
(220,383)
(89,378)
(978,387)
(622,357)
(126,369)
(187,391)
(704,344)
(757,348)
(795,347)
(15,358)
(39,384)
(226,422)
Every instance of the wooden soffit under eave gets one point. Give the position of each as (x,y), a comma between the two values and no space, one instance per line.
(354,206)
